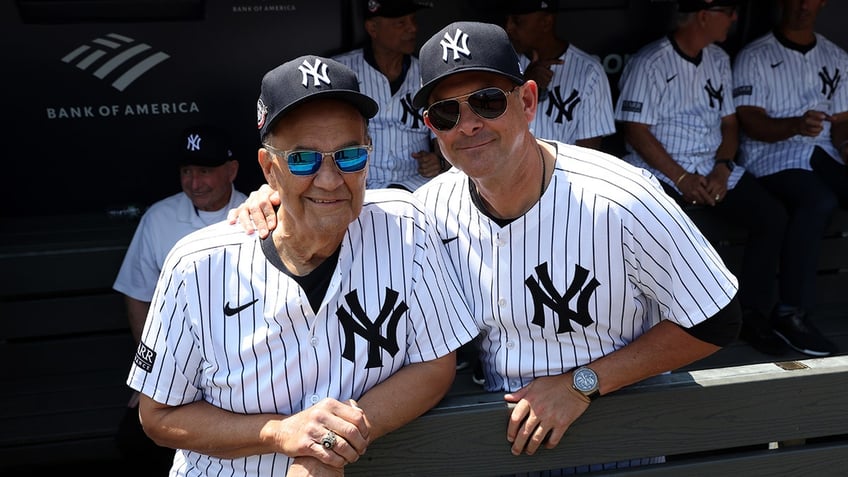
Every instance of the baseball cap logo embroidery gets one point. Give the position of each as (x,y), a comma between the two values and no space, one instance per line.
(193,142)
(312,70)
(454,44)
(261,113)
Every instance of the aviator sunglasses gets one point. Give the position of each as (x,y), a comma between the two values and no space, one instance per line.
(306,163)
(488,103)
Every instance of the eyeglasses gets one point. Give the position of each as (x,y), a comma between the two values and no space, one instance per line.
(488,103)
(307,163)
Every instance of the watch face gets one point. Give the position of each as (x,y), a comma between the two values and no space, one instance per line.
(585,380)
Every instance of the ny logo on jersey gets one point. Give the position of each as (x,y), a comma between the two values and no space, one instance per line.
(829,83)
(551,298)
(193,142)
(454,44)
(715,95)
(410,112)
(564,107)
(361,325)
(318,72)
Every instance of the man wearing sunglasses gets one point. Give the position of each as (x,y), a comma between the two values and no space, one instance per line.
(288,355)
(582,274)
(792,100)
(403,155)
(575,103)
(680,123)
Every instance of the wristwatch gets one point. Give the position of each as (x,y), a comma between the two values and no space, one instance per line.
(727,162)
(585,381)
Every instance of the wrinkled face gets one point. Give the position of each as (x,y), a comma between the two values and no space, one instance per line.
(209,188)
(801,14)
(329,200)
(525,30)
(483,147)
(399,35)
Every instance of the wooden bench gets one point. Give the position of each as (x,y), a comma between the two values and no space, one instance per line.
(67,348)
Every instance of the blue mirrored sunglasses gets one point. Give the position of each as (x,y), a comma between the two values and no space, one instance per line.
(306,163)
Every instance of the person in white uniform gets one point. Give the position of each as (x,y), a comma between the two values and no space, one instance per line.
(288,355)
(582,274)
(679,122)
(403,155)
(207,169)
(575,103)
(792,100)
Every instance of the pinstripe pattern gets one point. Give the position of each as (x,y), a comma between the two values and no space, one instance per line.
(397,130)
(585,115)
(598,214)
(277,356)
(670,93)
(787,83)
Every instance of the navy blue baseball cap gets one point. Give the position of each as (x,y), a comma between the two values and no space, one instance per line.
(305,78)
(393,8)
(520,7)
(204,145)
(462,47)
(687,6)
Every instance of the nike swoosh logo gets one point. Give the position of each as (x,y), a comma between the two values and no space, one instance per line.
(234,311)
(775,65)
(449,240)
(668,80)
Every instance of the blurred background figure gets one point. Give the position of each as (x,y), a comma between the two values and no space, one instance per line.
(207,169)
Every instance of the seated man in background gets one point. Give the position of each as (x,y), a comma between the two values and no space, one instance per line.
(207,169)
(679,122)
(792,100)
(290,355)
(575,103)
(403,156)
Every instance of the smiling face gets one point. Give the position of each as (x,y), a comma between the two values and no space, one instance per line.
(319,206)
(209,188)
(484,148)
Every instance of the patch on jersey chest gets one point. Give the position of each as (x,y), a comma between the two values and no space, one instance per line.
(357,322)
(545,294)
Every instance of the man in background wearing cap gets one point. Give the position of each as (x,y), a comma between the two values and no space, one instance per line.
(582,274)
(207,170)
(679,122)
(388,72)
(575,103)
(290,355)
(792,100)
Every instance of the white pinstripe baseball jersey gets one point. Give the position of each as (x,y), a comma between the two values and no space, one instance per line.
(165,222)
(578,104)
(228,327)
(398,129)
(603,256)
(787,82)
(683,100)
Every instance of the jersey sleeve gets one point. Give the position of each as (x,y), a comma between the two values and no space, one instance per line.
(167,349)
(140,267)
(749,86)
(598,120)
(638,93)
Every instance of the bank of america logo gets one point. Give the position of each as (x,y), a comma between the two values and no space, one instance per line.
(117,58)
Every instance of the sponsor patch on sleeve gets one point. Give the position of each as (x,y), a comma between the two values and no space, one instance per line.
(742,91)
(144,357)
(631,106)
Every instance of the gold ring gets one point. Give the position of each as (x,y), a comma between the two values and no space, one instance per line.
(718,197)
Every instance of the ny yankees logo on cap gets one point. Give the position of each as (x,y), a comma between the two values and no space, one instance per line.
(312,70)
(453,44)
(193,142)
